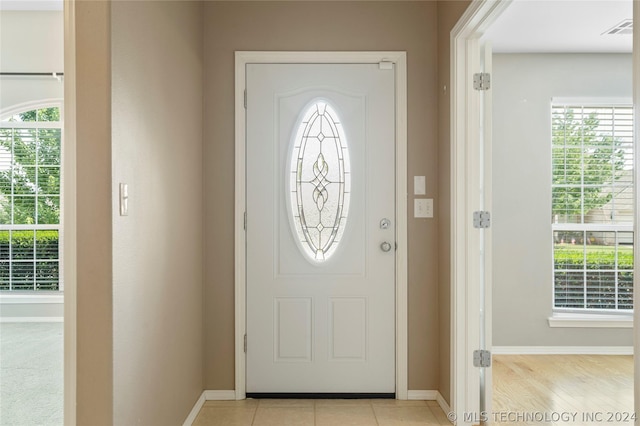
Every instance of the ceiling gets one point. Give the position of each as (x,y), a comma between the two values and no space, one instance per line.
(526,26)
(561,26)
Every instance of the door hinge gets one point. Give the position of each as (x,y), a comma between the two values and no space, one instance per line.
(245,343)
(481,358)
(245,98)
(245,221)
(482,81)
(385,65)
(481,219)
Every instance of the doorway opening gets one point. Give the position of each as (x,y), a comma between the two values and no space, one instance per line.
(506,162)
(31,214)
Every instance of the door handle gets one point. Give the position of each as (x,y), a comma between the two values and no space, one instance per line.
(385,246)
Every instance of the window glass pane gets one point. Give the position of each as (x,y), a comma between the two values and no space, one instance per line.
(24,210)
(4,244)
(592,184)
(48,210)
(5,208)
(601,289)
(26,116)
(601,250)
(569,250)
(24,180)
(49,180)
(49,114)
(569,289)
(30,195)
(22,275)
(592,164)
(625,250)
(47,275)
(320,184)
(22,245)
(4,275)
(24,147)
(625,290)
(49,147)
(47,245)
(567,204)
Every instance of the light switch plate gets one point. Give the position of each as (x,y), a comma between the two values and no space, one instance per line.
(124,199)
(419,185)
(423,207)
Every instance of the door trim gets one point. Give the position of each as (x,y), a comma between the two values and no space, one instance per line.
(400,61)
(69,250)
(465,198)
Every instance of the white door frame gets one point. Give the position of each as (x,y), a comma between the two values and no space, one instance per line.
(465,105)
(465,199)
(69,249)
(400,61)
(636,226)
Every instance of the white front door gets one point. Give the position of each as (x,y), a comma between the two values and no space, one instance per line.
(320,228)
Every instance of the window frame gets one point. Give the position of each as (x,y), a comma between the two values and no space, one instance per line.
(587,317)
(39,296)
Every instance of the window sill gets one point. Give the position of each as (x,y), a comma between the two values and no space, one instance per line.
(24,298)
(562,320)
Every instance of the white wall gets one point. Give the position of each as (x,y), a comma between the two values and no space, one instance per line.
(523,86)
(30,42)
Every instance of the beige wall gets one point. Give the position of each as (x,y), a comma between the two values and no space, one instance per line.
(94,276)
(139,305)
(139,120)
(448,14)
(156,54)
(404,26)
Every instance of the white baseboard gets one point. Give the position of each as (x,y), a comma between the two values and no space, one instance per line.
(442,403)
(562,350)
(208,395)
(31,319)
(429,395)
(194,411)
(220,395)
(422,395)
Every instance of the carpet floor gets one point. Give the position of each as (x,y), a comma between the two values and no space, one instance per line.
(31,374)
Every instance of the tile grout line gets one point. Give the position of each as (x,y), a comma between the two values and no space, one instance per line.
(375,416)
(255,413)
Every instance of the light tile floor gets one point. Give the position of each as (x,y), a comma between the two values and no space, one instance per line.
(321,412)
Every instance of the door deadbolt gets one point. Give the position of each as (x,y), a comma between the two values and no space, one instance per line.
(385,246)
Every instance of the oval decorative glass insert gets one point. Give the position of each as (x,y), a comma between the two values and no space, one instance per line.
(320,181)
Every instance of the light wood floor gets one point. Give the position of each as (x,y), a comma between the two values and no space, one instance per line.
(583,389)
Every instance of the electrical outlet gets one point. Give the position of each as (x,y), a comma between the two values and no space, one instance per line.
(423,207)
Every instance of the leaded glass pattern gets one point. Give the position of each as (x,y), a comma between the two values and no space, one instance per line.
(320,183)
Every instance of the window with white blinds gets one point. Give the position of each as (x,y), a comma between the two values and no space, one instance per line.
(30,234)
(592,207)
